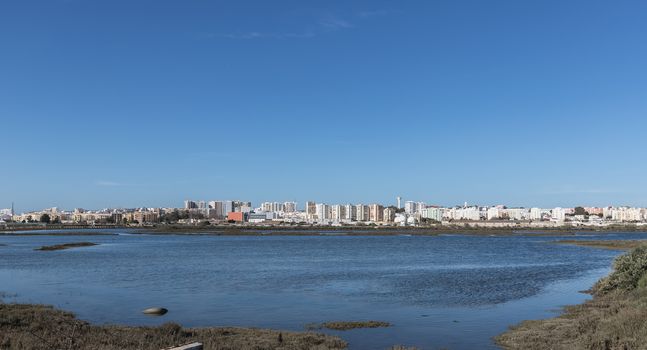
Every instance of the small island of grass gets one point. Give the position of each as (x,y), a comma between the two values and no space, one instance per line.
(66,246)
(347,325)
(620,244)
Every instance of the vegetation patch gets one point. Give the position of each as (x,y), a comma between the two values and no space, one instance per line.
(616,317)
(43,327)
(347,325)
(66,246)
(621,244)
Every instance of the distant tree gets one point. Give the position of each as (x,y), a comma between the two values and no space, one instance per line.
(184,214)
(580,211)
(110,219)
(57,220)
(45,218)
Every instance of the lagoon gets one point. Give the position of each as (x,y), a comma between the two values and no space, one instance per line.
(448,291)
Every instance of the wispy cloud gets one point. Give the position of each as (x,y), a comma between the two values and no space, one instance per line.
(264,35)
(333,23)
(325,24)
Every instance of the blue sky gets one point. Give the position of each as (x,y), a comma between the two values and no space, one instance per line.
(147,103)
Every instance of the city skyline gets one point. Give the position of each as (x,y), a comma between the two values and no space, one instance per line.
(398,202)
(410,213)
(487,102)
(300,203)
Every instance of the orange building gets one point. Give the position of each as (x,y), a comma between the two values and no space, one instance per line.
(236,216)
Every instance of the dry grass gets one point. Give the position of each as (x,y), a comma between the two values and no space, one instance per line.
(66,246)
(616,318)
(43,327)
(606,244)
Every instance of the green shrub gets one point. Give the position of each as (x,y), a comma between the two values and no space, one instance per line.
(629,273)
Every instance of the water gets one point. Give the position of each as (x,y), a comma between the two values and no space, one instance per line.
(449,291)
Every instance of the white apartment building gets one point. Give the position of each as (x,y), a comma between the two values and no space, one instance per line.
(431,213)
(558,214)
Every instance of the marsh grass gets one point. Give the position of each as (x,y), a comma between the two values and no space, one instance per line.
(43,327)
(616,317)
(347,325)
(66,246)
(619,244)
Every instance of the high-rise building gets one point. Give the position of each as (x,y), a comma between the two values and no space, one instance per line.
(389,214)
(399,202)
(311,208)
(410,207)
(217,210)
(290,207)
(190,204)
(227,207)
(323,212)
(363,212)
(337,213)
(376,213)
(350,212)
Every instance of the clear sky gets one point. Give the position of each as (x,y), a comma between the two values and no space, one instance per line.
(147,103)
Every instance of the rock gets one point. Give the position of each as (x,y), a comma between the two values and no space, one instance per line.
(157,311)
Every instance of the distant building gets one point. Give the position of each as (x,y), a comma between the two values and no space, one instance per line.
(259,217)
(323,212)
(558,214)
(389,214)
(350,212)
(311,209)
(363,212)
(410,207)
(290,207)
(432,213)
(237,216)
(376,213)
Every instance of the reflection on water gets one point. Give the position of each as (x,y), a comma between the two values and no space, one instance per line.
(444,291)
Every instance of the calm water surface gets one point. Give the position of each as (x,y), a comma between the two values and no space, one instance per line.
(448,291)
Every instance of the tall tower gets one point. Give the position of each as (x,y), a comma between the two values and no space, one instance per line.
(399,202)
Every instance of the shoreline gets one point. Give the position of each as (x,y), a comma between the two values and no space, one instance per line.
(613,319)
(36,326)
(251,230)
